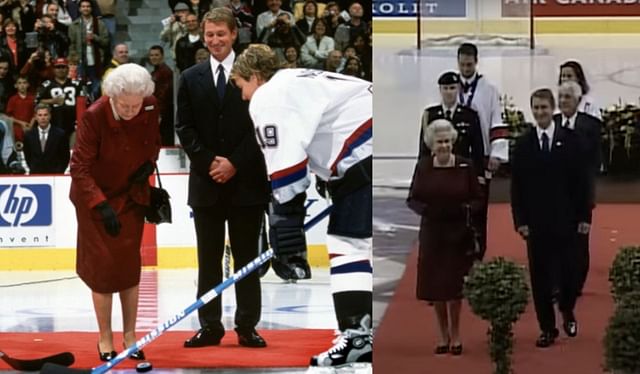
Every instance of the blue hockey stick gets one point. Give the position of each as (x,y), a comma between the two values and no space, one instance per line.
(50,368)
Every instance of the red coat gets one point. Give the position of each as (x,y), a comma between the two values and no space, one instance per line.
(106,153)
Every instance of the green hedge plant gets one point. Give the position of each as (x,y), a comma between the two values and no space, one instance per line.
(622,338)
(624,275)
(497,292)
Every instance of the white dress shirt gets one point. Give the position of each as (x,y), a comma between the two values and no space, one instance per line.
(572,121)
(227,64)
(549,131)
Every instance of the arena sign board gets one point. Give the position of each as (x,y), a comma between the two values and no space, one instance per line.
(429,8)
(572,8)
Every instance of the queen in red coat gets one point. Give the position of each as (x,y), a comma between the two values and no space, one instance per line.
(117,144)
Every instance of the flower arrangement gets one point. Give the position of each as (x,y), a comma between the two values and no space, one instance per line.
(621,139)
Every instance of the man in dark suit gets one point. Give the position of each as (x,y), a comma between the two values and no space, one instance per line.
(162,76)
(46,148)
(550,205)
(464,119)
(587,128)
(227,182)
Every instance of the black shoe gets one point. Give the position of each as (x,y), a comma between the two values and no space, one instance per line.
(204,337)
(106,356)
(547,338)
(250,338)
(570,327)
(139,355)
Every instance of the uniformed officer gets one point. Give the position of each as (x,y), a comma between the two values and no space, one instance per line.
(465,120)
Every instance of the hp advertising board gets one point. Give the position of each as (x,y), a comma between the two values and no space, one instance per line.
(26,215)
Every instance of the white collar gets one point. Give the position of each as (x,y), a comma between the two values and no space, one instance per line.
(451,108)
(46,129)
(469,80)
(549,131)
(572,120)
(227,64)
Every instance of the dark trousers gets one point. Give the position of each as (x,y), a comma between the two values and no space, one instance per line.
(480,219)
(552,261)
(244,230)
(582,259)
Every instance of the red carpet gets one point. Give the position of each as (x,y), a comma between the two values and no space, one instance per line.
(407,335)
(286,348)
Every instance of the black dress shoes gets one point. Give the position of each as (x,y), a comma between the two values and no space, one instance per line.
(106,356)
(250,338)
(204,337)
(547,338)
(570,327)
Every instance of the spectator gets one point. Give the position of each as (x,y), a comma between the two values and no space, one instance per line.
(572,71)
(291,56)
(310,14)
(283,34)
(108,17)
(202,55)
(246,23)
(7,153)
(332,18)
(315,50)
(7,86)
(333,61)
(187,46)
(61,93)
(25,14)
(89,37)
(175,28)
(346,32)
(53,10)
(362,46)
(20,108)
(51,38)
(353,67)
(268,19)
(38,68)
(46,148)
(120,57)
(444,191)
(162,76)
(13,45)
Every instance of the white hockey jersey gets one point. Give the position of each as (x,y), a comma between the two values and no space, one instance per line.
(483,97)
(311,120)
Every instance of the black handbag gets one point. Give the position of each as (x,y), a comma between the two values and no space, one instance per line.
(159,209)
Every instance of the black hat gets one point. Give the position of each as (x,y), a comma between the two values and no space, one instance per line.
(449,77)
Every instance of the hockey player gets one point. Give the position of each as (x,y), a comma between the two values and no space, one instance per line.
(480,95)
(321,122)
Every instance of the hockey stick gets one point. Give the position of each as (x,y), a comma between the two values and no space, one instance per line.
(153,335)
(50,368)
(64,359)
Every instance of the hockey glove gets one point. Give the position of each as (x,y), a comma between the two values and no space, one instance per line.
(142,174)
(109,218)
(287,238)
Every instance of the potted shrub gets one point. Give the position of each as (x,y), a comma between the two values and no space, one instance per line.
(497,292)
(624,274)
(622,338)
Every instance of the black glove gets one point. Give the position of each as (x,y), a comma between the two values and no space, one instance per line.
(287,238)
(321,187)
(142,174)
(109,218)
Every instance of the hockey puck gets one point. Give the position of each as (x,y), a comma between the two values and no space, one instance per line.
(143,367)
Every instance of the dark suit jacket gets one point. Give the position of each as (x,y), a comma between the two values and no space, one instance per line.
(55,158)
(469,143)
(549,190)
(208,128)
(588,128)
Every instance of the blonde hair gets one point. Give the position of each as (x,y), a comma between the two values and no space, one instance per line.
(128,79)
(439,126)
(257,59)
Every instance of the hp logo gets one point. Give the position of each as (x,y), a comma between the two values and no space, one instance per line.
(25,205)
